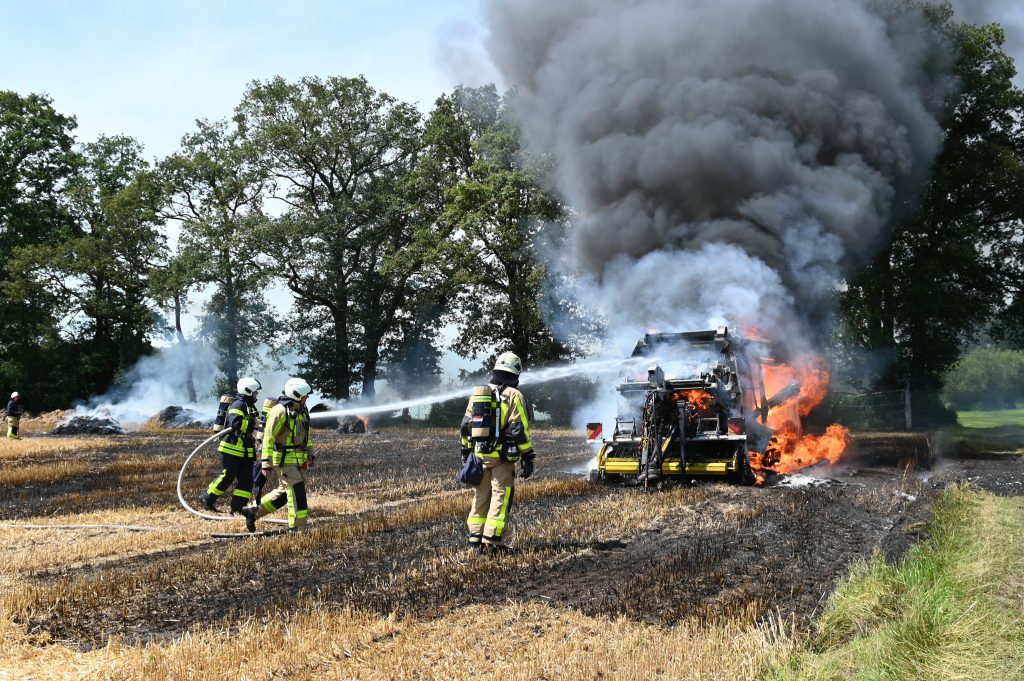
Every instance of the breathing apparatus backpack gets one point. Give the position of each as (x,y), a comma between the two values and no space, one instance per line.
(485,422)
(222,411)
(268,404)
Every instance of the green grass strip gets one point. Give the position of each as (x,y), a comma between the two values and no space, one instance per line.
(952,609)
(991,419)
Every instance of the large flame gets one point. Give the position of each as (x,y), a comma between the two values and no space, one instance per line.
(791,449)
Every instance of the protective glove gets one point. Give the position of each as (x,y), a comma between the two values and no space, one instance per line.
(526,464)
(465,454)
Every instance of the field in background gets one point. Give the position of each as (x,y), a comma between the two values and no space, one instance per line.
(991,419)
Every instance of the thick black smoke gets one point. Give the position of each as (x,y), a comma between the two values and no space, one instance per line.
(729,160)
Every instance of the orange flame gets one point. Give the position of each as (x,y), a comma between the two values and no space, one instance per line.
(790,449)
(699,399)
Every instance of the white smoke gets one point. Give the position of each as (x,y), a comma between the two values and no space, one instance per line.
(159,381)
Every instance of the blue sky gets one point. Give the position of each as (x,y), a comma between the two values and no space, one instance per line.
(149,69)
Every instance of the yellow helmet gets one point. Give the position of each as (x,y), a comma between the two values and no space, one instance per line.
(510,362)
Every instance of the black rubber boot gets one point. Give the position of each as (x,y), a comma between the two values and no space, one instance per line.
(249,513)
(209,501)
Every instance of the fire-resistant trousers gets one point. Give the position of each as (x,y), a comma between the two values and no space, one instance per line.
(12,426)
(492,502)
(290,490)
(237,469)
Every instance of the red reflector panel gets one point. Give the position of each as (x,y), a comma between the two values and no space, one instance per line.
(737,425)
(594,431)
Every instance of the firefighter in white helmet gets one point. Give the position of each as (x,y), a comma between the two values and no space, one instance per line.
(287,451)
(14,416)
(498,448)
(237,448)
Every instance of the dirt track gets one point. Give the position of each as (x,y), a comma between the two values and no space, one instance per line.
(391,538)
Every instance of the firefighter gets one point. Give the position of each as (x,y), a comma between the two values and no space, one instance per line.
(286,451)
(237,449)
(13,415)
(492,502)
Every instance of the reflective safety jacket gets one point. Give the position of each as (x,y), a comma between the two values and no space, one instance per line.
(514,421)
(286,435)
(242,418)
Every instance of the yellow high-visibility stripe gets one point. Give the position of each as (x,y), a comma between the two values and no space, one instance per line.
(499,522)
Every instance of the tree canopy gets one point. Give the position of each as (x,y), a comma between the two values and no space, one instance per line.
(401,235)
(953,269)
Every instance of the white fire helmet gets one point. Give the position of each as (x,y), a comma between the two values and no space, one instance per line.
(14,394)
(510,362)
(296,388)
(248,386)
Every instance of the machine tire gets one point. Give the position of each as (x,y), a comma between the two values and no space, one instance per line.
(745,475)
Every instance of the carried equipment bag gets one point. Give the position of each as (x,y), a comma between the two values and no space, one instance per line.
(485,422)
(472,472)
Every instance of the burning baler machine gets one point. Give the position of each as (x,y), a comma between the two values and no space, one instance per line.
(699,411)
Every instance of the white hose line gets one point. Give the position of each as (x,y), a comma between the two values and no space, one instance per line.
(131,528)
(181,478)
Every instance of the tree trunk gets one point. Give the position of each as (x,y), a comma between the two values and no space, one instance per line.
(887,303)
(370,361)
(190,385)
(341,351)
(230,330)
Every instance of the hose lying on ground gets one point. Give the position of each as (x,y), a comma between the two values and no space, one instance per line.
(181,478)
(144,528)
(131,528)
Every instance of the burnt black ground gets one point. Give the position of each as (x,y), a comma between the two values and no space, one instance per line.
(714,550)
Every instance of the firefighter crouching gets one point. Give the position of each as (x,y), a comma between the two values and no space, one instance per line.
(237,449)
(492,501)
(286,450)
(14,416)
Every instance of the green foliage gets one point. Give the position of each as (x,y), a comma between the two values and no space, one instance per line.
(215,187)
(560,399)
(98,271)
(956,258)
(359,221)
(985,378)
(81,233)
(447,414)
(504,219)
(36,162)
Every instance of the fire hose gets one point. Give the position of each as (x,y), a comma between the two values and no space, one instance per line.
(181,478)
(144,528)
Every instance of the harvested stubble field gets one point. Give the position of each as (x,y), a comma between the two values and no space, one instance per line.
(699,581)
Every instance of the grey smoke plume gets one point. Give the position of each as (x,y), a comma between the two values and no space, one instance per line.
(729,160)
